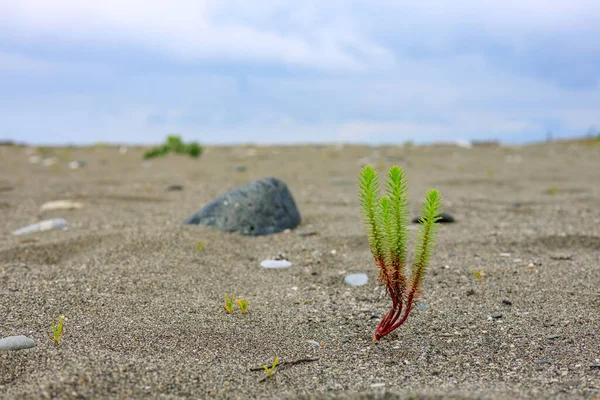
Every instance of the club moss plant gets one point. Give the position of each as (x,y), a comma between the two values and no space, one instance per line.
(386,222)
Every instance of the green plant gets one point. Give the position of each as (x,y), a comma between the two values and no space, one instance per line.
(553,190)
(174,144)
(386,222)
(243,304)
(479,274)
(57,331)
(200,245)
(229,303)
(271,370)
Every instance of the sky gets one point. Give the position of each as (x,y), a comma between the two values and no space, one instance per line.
(286,72)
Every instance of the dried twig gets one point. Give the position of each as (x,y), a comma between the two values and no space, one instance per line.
(290,362)
(283,364)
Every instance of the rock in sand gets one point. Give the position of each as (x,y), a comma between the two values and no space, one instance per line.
(262,207)
(13,343)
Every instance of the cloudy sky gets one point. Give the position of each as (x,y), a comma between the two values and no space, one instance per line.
(231,71)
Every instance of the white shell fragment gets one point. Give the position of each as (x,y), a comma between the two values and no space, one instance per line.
(274,264)
(61,205)
(41,226)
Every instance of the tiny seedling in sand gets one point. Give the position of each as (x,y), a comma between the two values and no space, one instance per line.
(229,303)
(243,304)
(479,274)
(271,370)
(200,245)
(57,331)
(386,222)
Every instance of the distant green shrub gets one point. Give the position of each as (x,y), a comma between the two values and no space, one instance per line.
(175,145)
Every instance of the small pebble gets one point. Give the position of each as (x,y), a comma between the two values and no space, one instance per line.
(314,343)
(422,307)
(504,254)
(239,168)
(507,302)
(174,188)
(356,279)
(49,161)
(378,385)
(496,316)
(275,264)
(13,343)
(77,164)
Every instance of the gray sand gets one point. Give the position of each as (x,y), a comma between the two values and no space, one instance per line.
(143,309)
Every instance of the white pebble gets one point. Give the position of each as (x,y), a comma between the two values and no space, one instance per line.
(274,264)
(41,226)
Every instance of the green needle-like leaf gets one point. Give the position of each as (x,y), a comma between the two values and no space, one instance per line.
(368,185)
(426,237)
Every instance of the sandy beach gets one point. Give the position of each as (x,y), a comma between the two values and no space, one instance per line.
(143,307)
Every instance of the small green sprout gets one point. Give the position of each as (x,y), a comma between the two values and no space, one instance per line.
(57,331)
(200,245)
(271,370)
(479,274)
(243,304)
(553,190)
(229,303)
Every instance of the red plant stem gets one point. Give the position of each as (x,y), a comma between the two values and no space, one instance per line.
(393,315)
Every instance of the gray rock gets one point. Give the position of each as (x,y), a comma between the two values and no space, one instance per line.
(13,343)
(262,207)
(356,279)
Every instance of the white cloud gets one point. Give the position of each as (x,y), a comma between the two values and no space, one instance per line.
(373,87)
(334,34)
(18,63)
(188,31)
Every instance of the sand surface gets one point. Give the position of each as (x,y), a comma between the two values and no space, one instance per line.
(143,307)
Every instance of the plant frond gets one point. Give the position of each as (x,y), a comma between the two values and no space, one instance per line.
(426,237)
(398,238)
(368,185)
